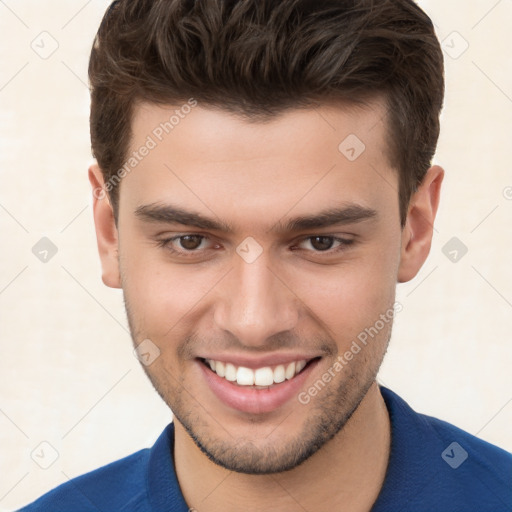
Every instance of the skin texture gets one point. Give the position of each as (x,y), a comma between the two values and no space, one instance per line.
(294,298)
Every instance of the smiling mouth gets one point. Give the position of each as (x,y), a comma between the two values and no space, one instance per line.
(258,378)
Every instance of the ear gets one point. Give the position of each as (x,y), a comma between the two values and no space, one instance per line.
(106,230)
(419,226)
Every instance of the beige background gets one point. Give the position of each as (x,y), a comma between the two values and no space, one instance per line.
(67,373)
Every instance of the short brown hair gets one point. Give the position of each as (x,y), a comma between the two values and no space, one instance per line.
(258,58)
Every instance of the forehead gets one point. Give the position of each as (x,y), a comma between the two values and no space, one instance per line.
(212,160)
(196,127)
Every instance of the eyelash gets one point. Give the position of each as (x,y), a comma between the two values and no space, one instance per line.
(166,244)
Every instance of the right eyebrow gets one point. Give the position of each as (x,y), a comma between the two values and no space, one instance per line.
(173,215)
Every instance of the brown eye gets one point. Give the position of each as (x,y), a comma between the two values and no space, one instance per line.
(190,242)
(188,246)
(322,243)
(327,244)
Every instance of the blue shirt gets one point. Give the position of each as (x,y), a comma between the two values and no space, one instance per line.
(433,467)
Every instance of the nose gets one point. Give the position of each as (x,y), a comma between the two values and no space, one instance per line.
(255,303)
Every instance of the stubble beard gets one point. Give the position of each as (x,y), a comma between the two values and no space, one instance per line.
(326,415)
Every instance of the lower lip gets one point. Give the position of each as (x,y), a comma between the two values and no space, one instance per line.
(255,401)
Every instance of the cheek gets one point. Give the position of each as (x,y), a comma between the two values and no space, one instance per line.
(351,297)
(163,296)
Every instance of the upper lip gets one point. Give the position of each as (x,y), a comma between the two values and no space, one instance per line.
(261,361)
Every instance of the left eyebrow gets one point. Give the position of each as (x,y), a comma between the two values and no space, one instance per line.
(350,214)
(166,213)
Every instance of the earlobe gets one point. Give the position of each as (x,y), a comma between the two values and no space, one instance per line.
(418,230)
(106,230)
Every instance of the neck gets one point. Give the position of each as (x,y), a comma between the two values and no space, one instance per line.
(345,474)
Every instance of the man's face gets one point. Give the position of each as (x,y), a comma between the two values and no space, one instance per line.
(265,293)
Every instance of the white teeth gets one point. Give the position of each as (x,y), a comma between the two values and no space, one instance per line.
(299,366)
(244,376)
(264,376)
(279,374)
(220,368)
(230,372)
(290,371)
(261,377)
